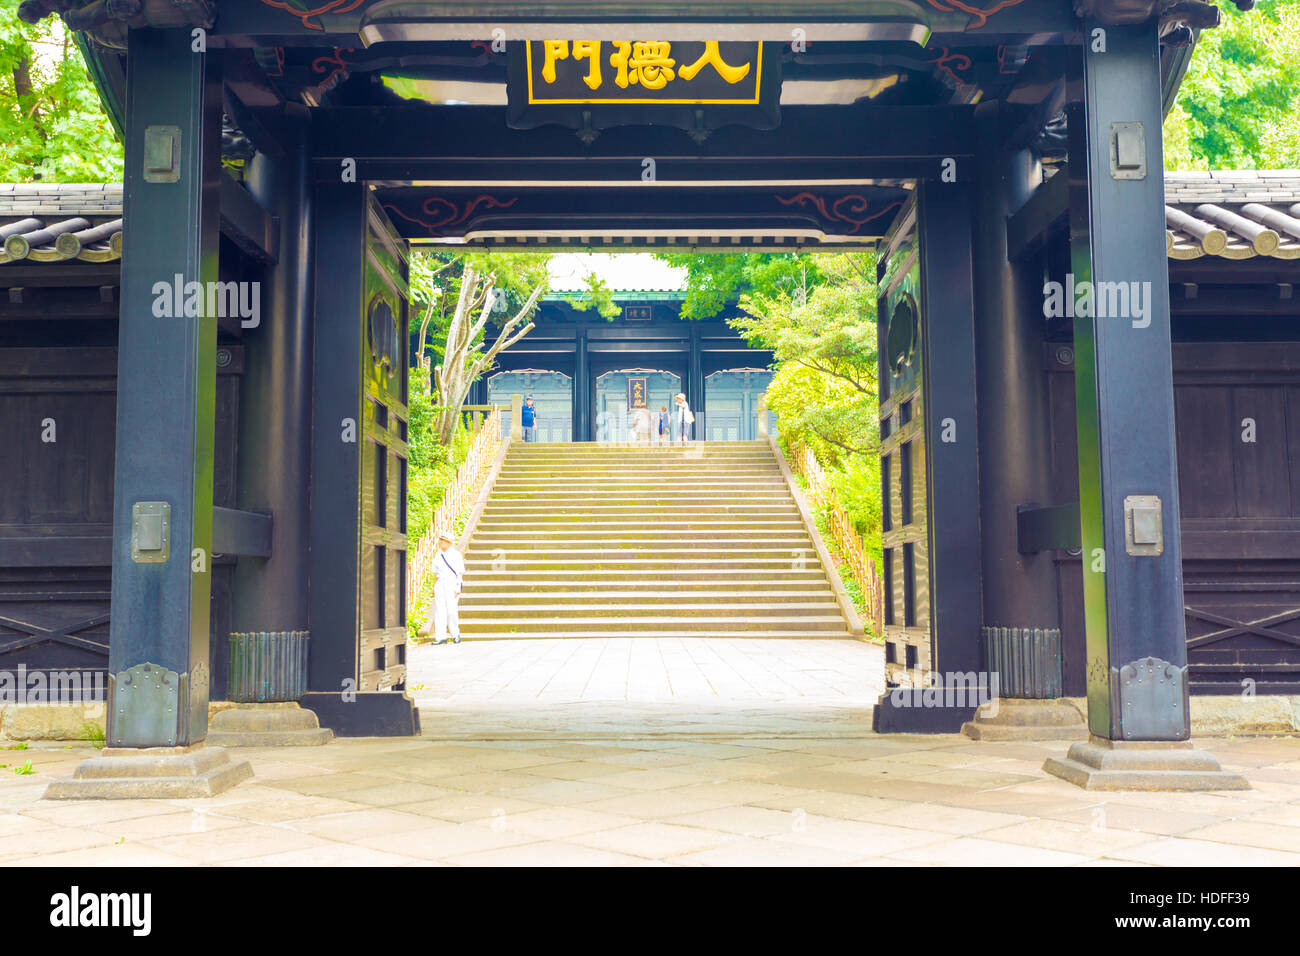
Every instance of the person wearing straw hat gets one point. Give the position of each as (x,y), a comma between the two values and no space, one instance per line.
(449,579)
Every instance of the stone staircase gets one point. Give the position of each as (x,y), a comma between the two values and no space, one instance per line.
(601,540)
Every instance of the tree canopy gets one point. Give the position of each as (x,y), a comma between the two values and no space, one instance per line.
(52,124)
(1239,104)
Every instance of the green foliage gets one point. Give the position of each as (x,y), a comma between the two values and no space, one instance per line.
(431,466)
(817,314)
(713,281)
(25,769)
(822,330)
(93,733)
(52,124)
(1239,104)
(856,480)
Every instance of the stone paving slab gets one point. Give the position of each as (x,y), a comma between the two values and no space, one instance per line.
(751,801)
(750,779)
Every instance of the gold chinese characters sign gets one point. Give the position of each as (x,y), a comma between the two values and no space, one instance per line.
(695,84)
(634,71)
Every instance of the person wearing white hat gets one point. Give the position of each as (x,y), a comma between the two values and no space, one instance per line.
(449,580)
(685,418)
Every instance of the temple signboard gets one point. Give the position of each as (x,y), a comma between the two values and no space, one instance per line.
(636,394)
(696,85)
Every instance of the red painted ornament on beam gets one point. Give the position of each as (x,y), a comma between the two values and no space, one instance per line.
(960,61)
(848,210)
(334,6)
(981,16)
(446,212)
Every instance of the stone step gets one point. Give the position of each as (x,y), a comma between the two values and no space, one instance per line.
(596,524)
(648,463)
(534,502)
(597,448)
(621,485)
(615,511)
(635,584)
(667,468)
(615,469)
(623,612)
(641,461)
(632,577)
(676,623)
(723,552)
(578,498)
(630,478)
(602,568)
(620,540)
(616,596)
(593,557)
(748,634)
(650,532)
(624,464)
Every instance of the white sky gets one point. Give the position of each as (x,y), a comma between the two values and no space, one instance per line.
(629,270)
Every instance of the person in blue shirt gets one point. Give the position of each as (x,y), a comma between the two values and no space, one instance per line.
(664,423)
(529,422)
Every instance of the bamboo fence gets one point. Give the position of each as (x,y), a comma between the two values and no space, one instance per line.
(847,539)
(459,496)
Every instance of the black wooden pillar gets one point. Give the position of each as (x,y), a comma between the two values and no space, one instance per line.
(694,387)
(338,431)
(166,385)
(1128,483)
(276,401)
(930,468)
(951,429)
(1019,589)
(581,388)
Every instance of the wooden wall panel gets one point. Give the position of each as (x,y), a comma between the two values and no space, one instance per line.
(1240,508)
(56,504)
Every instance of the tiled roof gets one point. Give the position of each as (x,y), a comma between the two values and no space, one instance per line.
(57,222)
(657,295)
(1233,214)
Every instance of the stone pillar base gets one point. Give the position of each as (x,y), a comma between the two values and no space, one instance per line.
(144,773)
(266,725)
(1014,718)
(1101,764)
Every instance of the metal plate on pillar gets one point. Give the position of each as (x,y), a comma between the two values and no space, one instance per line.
(146,707)
(1151,695)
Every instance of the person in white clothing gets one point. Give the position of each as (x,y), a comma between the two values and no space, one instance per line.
(449,579)
(685,418)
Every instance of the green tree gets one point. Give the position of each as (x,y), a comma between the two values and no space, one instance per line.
(470,306)
(436,287)
(821,330)
(1239,104)
(715,279)
(52,124)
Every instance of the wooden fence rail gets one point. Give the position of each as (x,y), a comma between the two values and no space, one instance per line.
(861,566)
(460,495)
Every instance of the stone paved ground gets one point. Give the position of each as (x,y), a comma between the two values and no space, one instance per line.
(610,778)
